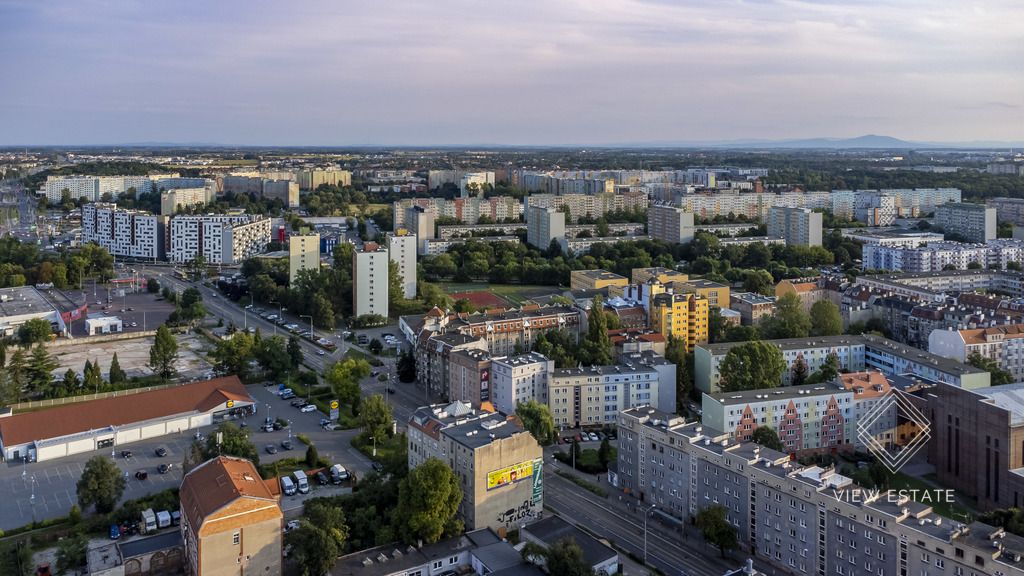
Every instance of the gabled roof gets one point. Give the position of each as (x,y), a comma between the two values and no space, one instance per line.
(120,410)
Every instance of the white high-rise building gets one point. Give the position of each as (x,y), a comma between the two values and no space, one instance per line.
(219,239)
(517,379)
(544,225)
(126,233)
(975,222)
(171,200)
(370,280)
(303,254)
(402,251)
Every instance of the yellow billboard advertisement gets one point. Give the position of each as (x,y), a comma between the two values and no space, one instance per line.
(510,475)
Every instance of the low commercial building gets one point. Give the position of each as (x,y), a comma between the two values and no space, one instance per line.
(23,303)
(595,279)
(853,353)
(109,422)
(499,465)
(231,522)
(102,324)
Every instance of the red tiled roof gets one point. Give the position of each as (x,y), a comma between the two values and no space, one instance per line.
(218,482)
(121,410)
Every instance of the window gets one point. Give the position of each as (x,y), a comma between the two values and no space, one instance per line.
(236,538)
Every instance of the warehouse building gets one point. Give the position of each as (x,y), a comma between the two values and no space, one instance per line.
(109,422)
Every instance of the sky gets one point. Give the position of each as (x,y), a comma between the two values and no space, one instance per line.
(523,72)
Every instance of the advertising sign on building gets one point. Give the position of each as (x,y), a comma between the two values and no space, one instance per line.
(510,475)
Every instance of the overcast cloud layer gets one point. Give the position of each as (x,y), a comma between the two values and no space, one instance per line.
(521,72)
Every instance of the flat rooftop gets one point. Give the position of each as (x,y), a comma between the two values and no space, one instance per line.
(23,300)
(599,274)
(1010,397)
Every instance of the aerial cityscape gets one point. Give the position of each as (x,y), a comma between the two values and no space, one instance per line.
(565,288)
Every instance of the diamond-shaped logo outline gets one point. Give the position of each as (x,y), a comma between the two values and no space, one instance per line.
(893,399)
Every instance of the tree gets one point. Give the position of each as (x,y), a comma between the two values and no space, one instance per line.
(312,458)
(767,437)
(344,376)
(788,321)
(272,354)
(35,330)
(752,366)
(234,441)
(604,453)
(163,354)
(406,367)
(828,371)
(375,417)
(152,285)
(798,373)
(71,383)
(40,369)
(232,355)
(428,500)
(71,553)
(463,306)
(92,376)
(313,549)
(597,347)
(998,375)
(101,484)
(295,351)
(375,346)
(116,375)
(825,319)
(329,518)
(675,352)
(17,368)
(537,420)
(565,558)
(714,524)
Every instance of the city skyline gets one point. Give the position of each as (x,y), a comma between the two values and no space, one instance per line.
(459,73)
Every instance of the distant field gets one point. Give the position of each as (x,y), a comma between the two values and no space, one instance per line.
(514,293)
(481,299)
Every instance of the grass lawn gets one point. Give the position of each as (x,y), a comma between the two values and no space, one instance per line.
(386,450)
(956,510)
(360,355)
(515,293)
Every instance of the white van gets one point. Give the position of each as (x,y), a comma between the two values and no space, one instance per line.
(338,474)
(163,519)
(301,481)
(287,486)
(148,521)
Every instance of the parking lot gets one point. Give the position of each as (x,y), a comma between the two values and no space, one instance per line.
(142,309)
(55,480)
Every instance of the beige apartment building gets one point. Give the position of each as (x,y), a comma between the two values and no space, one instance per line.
(303,254)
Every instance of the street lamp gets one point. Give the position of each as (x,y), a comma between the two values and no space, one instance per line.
(32,499)
(245,313)
(280,311)
(646,513)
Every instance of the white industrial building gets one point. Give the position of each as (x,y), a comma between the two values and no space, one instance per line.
(103,324)
(109,422)
(23,303)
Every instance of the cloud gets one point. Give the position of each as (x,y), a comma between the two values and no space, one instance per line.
(517,72)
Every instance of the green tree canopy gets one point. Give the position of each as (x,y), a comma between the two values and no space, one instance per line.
(713,522)
(163,354)
(597,347)
(101,484)
(375,417)
(752,366)
(344,376)
(35,330)
(767,437)
(39,370)
(234,441)
(116,375)
(565,558)
(537,420)
(825,319)
(998,375)
(428,499)
(788,321)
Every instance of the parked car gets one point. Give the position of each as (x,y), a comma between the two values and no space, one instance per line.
(299,402)
(271,449)
(308,408)
(126,453)
(161,451)
(286,444)
(321,479)
(320,352)
(291,525)
(115,531)
(592,436)
(377,466)
(141,474)
(390,390)
(288,395)
(164,468)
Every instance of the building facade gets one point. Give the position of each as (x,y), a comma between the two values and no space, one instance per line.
(543,225)
(670,224)
(402,251)
(219,239)
(798,226)
(516,379)
(681,316)
(303,254)
(370,280)
(975,222)
(127,233)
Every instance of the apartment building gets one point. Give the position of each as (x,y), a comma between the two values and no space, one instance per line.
(798,226)
(469,377)
(897,238)
(474,183)
(680,316)
(125,233)
(230,519)
(801,519)
(1002,344)
(718,295)
(933,286)
(807,290)
(590,205)
(175,198)
(939,256)
(465,210)
(854,354)
(93,188)
(370,280)
(580,246)
(498,464)
(219,239)
(544,224)
(975,222)
(595,279)
(310,180)
(435,247)
(402,251)
(433,354)
(511,330)
(464,231)
(809,418)
(303,254)
(881,207)
(594,395)
(285,190)
(516,379)
(670,224)
(875,209)
(1008,209)
(753,307)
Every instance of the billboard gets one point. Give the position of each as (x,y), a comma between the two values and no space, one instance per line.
(485,385)
(510,475)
